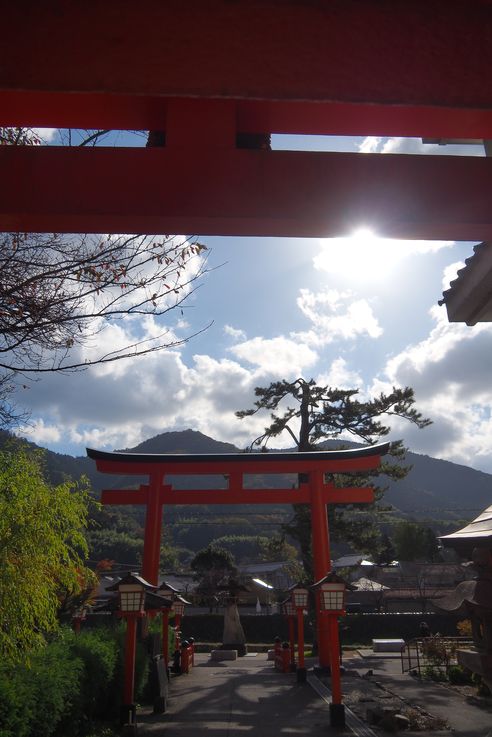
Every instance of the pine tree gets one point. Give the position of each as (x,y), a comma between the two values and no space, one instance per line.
(320,413)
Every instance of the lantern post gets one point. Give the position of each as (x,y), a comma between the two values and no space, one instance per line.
(178,607)
(79,616)
(131,595)
(165,589)
(331,596)
(289,611)
(299,596)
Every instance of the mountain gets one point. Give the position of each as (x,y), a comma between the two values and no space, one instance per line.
(440,488)
(186,441)
(434,489)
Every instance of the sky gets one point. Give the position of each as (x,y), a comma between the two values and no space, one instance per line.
(360,312)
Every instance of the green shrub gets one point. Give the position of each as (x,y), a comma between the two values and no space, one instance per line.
(482,688)
(69,685)
(56,687)
(458,675)
(434,673)
(141,669)
(37,700)
(16,703)
(98,650)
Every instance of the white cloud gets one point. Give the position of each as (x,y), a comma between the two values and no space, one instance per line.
(450,374)
(132,401)
(47,135)
(279,356)
(336,315)
(341,376)
(370,145)
(450,274)
(399,145)
(235,333)
(41,433)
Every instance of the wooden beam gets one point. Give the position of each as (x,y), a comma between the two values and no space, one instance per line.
(105,111)
(301,495)
(403,52)
(125,496)
(242,192)
(245,496)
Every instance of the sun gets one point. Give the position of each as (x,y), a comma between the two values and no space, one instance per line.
(364,256)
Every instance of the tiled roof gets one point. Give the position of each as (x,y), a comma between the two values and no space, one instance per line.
(469,297)
(478,532)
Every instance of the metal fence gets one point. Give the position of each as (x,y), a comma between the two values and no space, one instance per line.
(436,651)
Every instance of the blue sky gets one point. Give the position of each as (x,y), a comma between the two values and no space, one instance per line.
(356,313)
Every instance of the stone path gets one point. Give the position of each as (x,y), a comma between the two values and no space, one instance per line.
(249,697)
(236,699)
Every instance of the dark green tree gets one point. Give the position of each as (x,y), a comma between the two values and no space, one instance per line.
(211,565)
(386,552)
(310,414)
(415,542)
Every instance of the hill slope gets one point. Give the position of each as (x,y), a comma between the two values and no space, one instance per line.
(433,489)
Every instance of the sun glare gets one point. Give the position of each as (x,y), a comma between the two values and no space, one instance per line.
(366,256)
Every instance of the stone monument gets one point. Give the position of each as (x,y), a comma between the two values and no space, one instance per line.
(473,598)
(233,637)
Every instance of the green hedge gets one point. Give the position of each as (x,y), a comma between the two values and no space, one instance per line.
(36,701)
(73,683)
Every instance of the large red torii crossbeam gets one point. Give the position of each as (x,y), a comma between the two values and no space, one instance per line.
(205,70)
(316,492)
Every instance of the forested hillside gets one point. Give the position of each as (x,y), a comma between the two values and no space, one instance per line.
(436,493)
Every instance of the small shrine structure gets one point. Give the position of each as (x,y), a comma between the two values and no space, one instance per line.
(473,599)
(316,491)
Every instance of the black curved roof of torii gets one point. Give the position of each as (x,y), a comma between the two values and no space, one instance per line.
(351,453)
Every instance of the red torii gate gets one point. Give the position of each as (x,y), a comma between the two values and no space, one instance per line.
(203,71)
(315,492)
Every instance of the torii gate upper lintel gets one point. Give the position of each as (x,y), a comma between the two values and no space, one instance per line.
(315,492)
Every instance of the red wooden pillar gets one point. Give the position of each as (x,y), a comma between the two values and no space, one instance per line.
(336,686)
(321,558)
(153,525)
(300,643)
(177,631)
(165,636)
(128,709)
(292,642)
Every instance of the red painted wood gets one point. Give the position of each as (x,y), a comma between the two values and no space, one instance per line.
(437,52)
(274,466)
(244,192)
(292,642)
(153,529)
(348,495)
(247,496)
(300,638)
(165,636)
(140,112)
(321,555)
(124,496)
(130,651)
(336,686)
(330,495)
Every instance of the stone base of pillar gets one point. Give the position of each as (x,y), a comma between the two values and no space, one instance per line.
(337,715)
